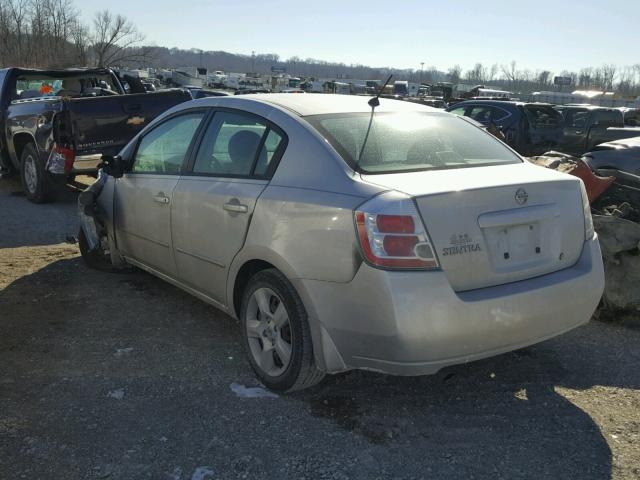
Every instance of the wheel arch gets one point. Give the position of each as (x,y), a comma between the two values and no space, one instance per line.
(246,264)
(19,142)
(249,262)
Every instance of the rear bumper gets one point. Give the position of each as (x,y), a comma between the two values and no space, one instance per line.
(413,323)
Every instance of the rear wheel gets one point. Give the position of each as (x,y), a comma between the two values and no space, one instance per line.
(276,333)
(35,183)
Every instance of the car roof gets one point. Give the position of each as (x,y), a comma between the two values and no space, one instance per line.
(327,103)
(589,107)
(59,71)
(500,102)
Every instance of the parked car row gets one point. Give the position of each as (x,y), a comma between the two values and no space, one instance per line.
(535,128)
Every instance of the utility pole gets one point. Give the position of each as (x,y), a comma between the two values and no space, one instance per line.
(253,62)
(421,69)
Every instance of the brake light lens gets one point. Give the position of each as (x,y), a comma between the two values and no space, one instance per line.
(392,235)
(589,230)
(61,160)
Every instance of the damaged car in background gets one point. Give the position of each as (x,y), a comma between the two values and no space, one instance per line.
(348,234)
(528,128)
(56,124)
(610,172)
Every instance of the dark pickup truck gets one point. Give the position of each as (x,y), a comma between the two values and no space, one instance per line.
(55,124)
(586,126)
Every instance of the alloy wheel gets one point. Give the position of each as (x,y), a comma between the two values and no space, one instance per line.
(30,174)
(269,332)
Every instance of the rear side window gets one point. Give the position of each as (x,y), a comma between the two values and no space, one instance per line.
(410,141)
(270,148)
(611,118)
(236,144)
(632,118)
(542,116)
(163,149)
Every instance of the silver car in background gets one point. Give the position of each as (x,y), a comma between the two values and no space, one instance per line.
(399,239)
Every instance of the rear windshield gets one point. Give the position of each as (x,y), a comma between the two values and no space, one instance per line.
(541,116)
(399,142)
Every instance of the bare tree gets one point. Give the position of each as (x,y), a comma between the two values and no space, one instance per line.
(608,76)
(454,73)
(492,72)
(116,41)
(477,74)
(544,78)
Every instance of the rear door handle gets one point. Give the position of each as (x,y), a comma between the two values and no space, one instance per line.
(235,207)
(161,198)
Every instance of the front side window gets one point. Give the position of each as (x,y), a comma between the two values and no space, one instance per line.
(459,111)
(575,118)
(163,149)
(543,116)
(236,144)
(410,141)
(481,113)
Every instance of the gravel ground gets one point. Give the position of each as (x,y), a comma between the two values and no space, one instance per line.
(123,376)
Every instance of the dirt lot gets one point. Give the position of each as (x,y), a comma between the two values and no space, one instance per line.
(122,376)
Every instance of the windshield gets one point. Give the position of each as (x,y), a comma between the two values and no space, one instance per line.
(400,142)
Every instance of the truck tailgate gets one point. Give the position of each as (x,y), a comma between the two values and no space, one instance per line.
(103,125)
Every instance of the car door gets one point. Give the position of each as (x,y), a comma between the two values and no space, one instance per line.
(601,122)
(143,195)
(214,200)
(575,130)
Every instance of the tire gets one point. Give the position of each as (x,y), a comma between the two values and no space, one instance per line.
(35,182)
(267,337)
(95,259)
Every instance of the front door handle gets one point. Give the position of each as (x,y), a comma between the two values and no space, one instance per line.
(161,198)
(235,207)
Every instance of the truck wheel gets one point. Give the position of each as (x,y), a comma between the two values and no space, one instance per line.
(95,259)
(276,333)
(35,183)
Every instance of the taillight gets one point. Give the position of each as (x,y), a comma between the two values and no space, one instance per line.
(392,235)
(61,160)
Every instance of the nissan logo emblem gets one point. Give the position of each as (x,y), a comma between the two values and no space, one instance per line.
(521,196)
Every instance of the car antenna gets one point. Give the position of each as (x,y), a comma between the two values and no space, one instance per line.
(373,103)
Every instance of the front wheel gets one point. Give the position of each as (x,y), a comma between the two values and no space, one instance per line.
(276,333)
(97,258)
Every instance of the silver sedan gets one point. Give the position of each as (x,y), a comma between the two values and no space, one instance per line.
(344,235)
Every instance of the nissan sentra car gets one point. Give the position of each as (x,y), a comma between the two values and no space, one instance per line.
(349,234)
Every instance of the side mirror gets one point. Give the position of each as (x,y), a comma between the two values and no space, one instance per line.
(113,166)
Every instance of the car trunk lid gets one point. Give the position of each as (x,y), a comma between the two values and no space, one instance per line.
(498,224)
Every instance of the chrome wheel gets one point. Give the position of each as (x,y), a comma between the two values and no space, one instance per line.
(269,332)
(30,174)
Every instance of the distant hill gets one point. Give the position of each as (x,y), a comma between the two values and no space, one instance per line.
(162,57)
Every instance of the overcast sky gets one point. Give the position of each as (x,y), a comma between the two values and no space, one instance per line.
(544,34)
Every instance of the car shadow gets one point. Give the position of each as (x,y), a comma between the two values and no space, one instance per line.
(503,417)
(47,224)
(497,418)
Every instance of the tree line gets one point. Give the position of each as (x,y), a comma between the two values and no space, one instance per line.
(50,34)
(624,80)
